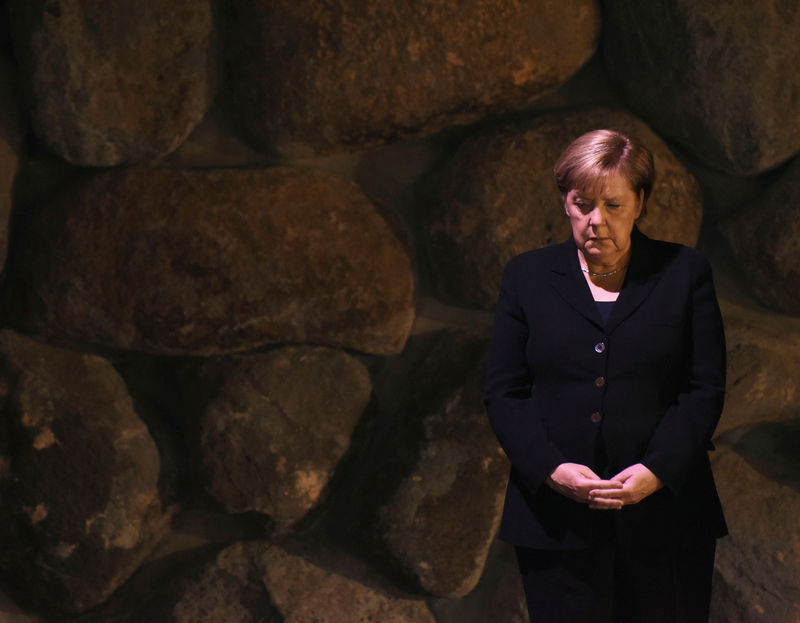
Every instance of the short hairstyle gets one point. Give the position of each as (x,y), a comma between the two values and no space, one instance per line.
(599,153)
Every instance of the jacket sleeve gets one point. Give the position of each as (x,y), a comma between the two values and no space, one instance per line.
(684,432)
(512,412)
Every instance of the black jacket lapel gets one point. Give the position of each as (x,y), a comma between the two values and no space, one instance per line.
(568,281)
(642,275)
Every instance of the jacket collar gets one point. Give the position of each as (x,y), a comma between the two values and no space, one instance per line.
(569,282)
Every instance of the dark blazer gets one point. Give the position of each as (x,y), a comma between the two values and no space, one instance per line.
(646,387)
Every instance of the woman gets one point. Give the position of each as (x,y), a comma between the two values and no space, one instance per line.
(605,382)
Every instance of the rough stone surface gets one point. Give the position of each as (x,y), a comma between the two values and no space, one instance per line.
(256,582)
(439,484)
(758,565)
(724,194)
(764,241)
(278,425)
(763,360)
(496,197)
(78,477)
(498,597)
(10,146)
(717,77)
(114,82)
(9,165)
(322,76)
(205,262)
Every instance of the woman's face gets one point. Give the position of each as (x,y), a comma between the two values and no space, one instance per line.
(602,218)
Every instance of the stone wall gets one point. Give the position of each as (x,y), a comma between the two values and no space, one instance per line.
(251,251)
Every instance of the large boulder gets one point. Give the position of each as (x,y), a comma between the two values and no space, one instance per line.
(277,425)
(116,81)
(319,76)
(78,477)
(496,197)
(758,565)
(256,581)
(763,359)
(724,193)
(436,481)
(764,238)
(696,71)
(206,262)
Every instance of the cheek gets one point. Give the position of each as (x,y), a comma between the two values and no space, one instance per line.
(578,226)
(577,220)
(621,225)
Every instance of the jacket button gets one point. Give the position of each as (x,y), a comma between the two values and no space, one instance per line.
(599,381)
(599,347)
(596,417)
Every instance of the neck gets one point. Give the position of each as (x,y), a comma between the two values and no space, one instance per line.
(604,279)
(612,265)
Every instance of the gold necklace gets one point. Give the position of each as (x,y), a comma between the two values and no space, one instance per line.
(608,274)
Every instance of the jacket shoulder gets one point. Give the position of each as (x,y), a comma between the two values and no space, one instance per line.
(674,253)
(537,258)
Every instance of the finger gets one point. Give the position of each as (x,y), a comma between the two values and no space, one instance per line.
(586,472)
(607,485)
(629,495)
(606,494)
(601,504)
(624,475)
(606,491)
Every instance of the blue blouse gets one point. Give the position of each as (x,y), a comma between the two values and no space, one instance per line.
(604,307)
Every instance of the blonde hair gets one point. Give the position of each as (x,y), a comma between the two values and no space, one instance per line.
(597,154)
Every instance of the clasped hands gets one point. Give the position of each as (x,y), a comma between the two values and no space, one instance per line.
(581,484)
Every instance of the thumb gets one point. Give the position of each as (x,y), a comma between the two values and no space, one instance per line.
(624,475)
(586,472)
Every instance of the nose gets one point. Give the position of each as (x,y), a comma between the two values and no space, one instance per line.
(597,216)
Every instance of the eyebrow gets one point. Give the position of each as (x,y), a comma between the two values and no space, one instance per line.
(588,197)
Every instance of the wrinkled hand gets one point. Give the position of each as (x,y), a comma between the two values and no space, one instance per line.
(577,481)
(637,483)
